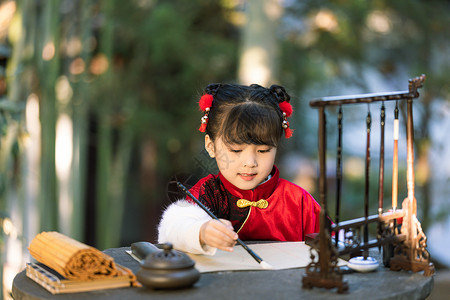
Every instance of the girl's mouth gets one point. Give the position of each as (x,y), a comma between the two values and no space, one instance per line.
(246,176)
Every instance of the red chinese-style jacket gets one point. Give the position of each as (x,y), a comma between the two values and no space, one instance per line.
(291,211)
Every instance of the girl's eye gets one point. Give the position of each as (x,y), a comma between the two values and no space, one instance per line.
(235,150)
(264,150)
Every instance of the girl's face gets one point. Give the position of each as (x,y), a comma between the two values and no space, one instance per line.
(246,165)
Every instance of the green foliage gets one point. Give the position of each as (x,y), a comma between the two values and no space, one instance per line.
(159,56)
(323,37)
(163,56)
(331,46)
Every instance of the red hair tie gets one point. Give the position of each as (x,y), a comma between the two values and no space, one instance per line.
(205,104)
(287,110)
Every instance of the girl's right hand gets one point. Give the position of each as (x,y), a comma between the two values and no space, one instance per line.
(218,234)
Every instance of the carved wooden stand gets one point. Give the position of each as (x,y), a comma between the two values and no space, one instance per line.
(401,250)
(412,253)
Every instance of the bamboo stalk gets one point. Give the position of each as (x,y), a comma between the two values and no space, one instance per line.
(48,71)
(80,121)
(104,208)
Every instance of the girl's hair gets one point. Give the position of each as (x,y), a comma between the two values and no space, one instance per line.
(246,114)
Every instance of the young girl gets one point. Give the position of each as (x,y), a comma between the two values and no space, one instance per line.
(243,126)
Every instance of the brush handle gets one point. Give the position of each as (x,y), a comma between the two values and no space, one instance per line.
(186,191)
(250,251)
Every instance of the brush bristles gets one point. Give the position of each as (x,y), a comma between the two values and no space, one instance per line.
(265,265)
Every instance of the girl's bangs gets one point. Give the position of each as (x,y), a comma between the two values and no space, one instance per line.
(252,124)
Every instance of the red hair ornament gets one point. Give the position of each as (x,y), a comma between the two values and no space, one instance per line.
(205,104)
(287,110)
(286,107)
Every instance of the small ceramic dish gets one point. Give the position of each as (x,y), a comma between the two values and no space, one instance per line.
(363,265)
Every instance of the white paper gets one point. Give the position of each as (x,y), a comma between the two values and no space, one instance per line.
(280,255)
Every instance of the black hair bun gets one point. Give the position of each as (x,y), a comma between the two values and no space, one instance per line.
(212,88)
(280,93)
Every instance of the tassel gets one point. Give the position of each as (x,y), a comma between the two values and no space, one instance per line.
(202,127)
(288,132)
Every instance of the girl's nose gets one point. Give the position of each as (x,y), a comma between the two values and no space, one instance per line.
(250,161)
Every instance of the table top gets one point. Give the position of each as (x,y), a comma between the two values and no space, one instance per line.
(264,284)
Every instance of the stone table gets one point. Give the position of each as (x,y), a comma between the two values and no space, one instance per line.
(264,284)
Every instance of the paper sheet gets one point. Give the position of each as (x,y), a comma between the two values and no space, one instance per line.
(281,255)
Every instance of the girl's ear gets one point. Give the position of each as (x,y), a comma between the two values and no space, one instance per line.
(209,146)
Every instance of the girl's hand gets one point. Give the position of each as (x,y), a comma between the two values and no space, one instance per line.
(218,234)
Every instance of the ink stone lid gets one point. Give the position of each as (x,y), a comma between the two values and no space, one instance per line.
(167,269)
(168,259)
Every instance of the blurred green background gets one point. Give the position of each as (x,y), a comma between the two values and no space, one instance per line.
(98,103)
